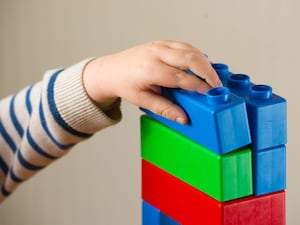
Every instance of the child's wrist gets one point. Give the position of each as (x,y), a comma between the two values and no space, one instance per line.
(96,93)
(107,105)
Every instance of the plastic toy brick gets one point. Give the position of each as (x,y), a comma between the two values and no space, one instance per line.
(266,111)
(267,117)
(153,216)
(269,174)
(150,215)
(188,206)
(223,177)
(217,120)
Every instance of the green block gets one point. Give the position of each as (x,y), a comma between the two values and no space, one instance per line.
(223,177)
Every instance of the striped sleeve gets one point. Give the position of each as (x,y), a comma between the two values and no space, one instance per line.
(42,122)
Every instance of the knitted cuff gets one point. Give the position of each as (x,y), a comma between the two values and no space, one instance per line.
(75,106)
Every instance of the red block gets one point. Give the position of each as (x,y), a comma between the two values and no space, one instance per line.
(189,206)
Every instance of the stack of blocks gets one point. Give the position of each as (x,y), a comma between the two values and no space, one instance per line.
(227,166)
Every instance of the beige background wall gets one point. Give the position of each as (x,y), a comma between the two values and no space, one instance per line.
(99,183)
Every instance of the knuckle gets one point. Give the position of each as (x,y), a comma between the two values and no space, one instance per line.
(166,112)
(144,67)
(180,75)
(155,46)
(191,56)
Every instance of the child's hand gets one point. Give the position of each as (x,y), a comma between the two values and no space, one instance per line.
(136,75)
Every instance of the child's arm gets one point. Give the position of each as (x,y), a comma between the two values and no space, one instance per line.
(41,123)
(136,74)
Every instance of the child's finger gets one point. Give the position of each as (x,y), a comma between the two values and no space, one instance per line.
(172,77)
(178,45)
(162,106)
(190,59)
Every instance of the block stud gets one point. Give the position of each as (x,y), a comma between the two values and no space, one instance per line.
(221,69)
(261,92)
(219,95)
(239,81)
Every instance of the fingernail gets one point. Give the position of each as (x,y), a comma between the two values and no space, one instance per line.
(181,120)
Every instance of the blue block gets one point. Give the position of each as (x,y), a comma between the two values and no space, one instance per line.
(150,215)
(266,112)
(153,216)
(267,118)
(217,120)
(269,170)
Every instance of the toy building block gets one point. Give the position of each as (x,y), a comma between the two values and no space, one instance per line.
(269,170)
(150,215)
(266,112)
(267,117)
(153,216)
(223,177)
(189,206)
(267,121)
(217,120)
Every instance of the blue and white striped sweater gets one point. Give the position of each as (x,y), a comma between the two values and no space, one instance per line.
(42,122)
